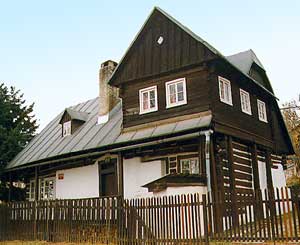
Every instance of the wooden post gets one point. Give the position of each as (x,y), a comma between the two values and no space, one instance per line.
(255,167)
(120,174)
(268,169)
(36,181)
(10,187)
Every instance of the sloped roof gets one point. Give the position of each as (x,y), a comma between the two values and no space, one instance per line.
(244,60)
(50,143)
(76,115)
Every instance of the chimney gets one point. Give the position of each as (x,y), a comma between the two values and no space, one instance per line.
(108,95)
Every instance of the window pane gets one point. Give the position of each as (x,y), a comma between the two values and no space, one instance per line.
(152,103)
(194,166)
(180,87)
(145,101)
(173,98)
(172,89)
(185,166)
(152,95)
(180,96)
(222,90)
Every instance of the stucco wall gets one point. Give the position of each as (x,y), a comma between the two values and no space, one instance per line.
(137,174)
(82,182)
(182,190)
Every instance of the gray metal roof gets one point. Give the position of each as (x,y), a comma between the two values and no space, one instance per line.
(244,60)
(76,115)
(50,143)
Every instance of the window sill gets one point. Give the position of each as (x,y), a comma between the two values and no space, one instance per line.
(146,112)
(177,104)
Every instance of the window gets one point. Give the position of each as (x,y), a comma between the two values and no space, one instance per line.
(225,91)
(148,100)
(245,102)
(31,190)
(172,165)
(262,113)
(176,92)
(189,166)
(47,190)
(66,128)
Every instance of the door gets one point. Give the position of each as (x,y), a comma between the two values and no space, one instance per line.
(108,182)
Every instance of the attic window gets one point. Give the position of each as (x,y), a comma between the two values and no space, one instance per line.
(176,92)
(225,91)
(245,102)
(160,40)
(67,128)
(148,100)
(262,113)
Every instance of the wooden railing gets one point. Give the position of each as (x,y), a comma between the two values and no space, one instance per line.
(269,215)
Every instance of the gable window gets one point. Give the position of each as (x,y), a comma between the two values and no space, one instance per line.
(176,92)
(189,166)
(262,113)
(245,102)
(66,128)
(148,100)
(225,91)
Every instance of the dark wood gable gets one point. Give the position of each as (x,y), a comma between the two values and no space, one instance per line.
(146,57)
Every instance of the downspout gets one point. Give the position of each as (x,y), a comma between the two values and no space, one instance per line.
(207,159)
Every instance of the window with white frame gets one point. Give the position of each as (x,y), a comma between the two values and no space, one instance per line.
(31,190)
(262,112)
(189,166)
(225,90)
(245,102)
(148,100)
(67,128)
(47,188)
(176,92)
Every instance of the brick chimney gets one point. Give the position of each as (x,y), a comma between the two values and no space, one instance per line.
(108,95)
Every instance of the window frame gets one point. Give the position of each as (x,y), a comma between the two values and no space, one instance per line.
(249,112)
(141,92)
(189,159)
(69,132)
(177,103)
(265,119)
(226,81)
(31,191)
(43,180)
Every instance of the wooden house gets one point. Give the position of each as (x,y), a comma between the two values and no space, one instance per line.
(174,116)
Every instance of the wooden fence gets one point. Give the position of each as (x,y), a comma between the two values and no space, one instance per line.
(269,215)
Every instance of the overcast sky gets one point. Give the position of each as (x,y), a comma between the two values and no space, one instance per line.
(52,50)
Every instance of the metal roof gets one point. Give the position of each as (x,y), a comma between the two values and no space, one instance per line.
(244,60)
(76,115)
(50,143)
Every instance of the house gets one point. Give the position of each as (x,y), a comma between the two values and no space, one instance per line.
(174,116)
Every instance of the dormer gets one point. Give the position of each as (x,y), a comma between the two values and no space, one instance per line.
(71,120)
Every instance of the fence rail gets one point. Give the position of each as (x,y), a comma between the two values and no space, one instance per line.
(268,215)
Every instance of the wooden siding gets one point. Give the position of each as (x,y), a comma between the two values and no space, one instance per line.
(231,120)
(147,58)
(197,97)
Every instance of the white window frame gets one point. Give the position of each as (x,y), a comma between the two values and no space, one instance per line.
(67,125)
(245,105)
(43,181)
(222,81)
(31,191)
(190,159)
(147,90)
(176,103)
(264,111)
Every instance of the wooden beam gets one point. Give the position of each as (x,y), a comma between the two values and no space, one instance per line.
(120,174)
(36,178)
(255,166)
(10,187)
(268,169)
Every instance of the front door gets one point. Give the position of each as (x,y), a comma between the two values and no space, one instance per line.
(108,182)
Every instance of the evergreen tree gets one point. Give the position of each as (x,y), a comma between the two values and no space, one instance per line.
(17,127)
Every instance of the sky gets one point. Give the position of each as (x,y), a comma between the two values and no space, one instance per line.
(52,50)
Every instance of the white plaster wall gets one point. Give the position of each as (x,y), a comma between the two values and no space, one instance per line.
(182,190)
(278,177)
(262,173)
(137,174)
(82,182)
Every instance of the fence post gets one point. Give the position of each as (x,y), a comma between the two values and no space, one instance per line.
(206,237)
